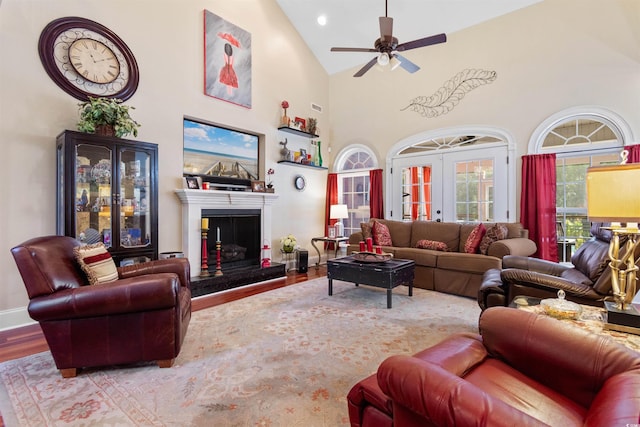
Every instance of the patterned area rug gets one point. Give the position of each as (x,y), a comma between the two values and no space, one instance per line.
(287,357)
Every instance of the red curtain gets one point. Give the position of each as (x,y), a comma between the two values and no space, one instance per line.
(426,188)
(415,193)
(332,199)
(538,203)
(634,153)
(376,205)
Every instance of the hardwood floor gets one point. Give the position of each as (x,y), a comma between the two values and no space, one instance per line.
(26,340)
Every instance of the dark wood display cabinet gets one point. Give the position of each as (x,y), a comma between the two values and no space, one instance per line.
(107,192)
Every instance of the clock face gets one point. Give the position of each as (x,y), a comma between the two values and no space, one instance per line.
(85,58)
(300,182)
(94,61)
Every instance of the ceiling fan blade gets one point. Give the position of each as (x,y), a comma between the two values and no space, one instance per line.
(406,64)
(366,68)
(386,27)
(352,49)
(427,41)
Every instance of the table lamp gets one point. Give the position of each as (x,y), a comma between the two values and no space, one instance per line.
(613,195)
(338,212)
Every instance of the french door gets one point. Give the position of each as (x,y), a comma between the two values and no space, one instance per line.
(455,186)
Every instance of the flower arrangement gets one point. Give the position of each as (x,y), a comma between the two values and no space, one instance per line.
(284,120)
(288,242)
(269,179)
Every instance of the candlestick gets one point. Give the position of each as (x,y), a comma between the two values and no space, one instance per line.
(218,235)
(218,266)
(204,264)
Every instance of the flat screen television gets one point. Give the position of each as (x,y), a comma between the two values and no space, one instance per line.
(218,154)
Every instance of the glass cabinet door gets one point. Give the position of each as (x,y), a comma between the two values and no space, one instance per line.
(93,193)
(135,198)
(107,192)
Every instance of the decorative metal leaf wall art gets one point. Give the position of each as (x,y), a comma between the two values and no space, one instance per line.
(450,94)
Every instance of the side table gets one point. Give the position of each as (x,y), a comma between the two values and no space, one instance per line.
(335,240)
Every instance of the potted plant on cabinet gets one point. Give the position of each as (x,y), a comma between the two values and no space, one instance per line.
(107,116)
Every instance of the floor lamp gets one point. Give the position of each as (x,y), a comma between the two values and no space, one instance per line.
(613,195)
(339,212)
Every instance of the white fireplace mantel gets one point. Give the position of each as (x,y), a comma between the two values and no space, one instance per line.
(195,201)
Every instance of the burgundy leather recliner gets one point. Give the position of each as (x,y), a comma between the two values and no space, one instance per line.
(142,316)
(523,369)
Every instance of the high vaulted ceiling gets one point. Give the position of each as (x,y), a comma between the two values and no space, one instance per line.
(354,23)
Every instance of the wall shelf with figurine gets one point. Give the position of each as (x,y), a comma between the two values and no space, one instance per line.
(289,162)
(297,132)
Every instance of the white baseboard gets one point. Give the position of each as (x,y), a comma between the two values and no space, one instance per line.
(15,318)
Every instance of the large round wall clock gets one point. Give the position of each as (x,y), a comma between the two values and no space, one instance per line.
(85,58)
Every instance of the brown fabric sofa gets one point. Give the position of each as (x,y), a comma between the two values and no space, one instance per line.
(142,316)
(523,369)
(454,271)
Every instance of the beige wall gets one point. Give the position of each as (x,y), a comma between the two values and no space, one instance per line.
(548,57)
(166,37)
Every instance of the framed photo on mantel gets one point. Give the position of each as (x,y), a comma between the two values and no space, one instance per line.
(258,186)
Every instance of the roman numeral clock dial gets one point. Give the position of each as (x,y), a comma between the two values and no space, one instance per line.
(85,58)
(94,61)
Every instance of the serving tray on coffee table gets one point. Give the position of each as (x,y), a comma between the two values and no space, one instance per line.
(371,257)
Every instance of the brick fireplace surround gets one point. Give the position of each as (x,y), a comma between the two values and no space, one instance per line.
(195,201)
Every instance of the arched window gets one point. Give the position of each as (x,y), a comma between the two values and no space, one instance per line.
(581,137)
(353,164)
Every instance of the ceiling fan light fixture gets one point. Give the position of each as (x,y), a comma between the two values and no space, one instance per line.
(383,59)
(395,62)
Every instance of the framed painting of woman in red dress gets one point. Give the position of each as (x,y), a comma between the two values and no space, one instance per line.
(227,65)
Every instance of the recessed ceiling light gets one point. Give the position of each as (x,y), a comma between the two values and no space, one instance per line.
(322,20)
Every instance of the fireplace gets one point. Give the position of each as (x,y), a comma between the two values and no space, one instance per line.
(239,236)
(195,203)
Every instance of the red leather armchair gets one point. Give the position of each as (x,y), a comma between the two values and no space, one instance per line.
(142,316)
(522,369)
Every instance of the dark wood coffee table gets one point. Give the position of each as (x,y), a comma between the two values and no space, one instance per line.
(386,275)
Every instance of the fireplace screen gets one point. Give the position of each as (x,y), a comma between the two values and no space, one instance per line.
(239,236)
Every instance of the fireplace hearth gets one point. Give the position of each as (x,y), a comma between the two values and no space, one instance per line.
(235,278)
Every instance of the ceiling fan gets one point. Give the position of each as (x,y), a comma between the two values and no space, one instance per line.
(387,46)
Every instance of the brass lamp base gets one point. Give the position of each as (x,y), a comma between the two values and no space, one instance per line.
(622,320)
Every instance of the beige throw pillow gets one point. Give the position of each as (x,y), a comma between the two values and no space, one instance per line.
(97,263)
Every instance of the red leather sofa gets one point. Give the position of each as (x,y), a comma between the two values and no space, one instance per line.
(522,369)
(142,316)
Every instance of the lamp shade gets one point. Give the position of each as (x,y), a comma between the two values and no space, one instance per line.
(338,212)
(613,193)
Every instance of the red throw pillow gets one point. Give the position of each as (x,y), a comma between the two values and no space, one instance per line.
(472,245)
(432,244)
(495,233)
(381,234)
